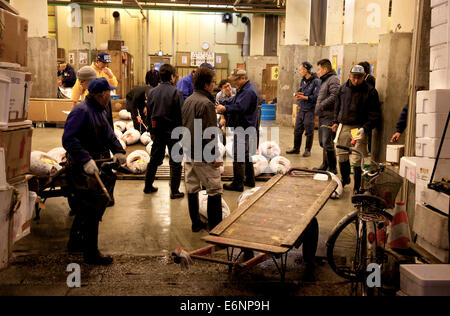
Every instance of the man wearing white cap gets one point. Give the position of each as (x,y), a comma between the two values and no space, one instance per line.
(357,108)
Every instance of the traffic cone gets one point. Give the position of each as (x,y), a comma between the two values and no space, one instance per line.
(399,234)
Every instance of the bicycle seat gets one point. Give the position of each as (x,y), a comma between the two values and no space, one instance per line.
(375,201)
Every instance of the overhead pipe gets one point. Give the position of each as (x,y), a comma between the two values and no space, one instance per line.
(246,46)
(117,30)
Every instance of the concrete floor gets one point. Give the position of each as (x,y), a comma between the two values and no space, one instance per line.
(141,231)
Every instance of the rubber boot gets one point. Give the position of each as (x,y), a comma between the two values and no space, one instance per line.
(149,179)
(77,236)
(91,253)
(357,179)
(238,181)
(332,163)
(297,145)
(175,180)
(249,175)
(345,172)
(309,144)
(324,166)
(197,224)
(214,211)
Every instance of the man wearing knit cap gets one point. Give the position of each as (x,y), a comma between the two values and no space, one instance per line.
(306,97)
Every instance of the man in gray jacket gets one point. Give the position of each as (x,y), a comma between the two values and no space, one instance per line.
(325,111)
(202,154)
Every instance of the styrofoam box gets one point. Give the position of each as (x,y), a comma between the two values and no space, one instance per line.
(431,125)
(440,14)
(5,204)
(438,200)
(431,226)
(425,279)
(439,35)
(439,57)
(19,93)
(429,147)
(394,153)
(408,167)
(440,79)
(435,3)
(425,166)
(441,254)
(433,101)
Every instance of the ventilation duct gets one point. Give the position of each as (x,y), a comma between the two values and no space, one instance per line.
(246,45)
(117,32)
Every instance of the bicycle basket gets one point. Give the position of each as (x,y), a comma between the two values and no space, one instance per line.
(386,186)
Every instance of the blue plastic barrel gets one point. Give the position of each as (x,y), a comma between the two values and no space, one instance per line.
(268,112)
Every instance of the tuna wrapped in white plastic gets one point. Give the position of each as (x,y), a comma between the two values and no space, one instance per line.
(125,115)
(203,203)
(137,161)
(280,165)
(146,138)
(130,126)
(270,150)
(58,154)
(121,126)
(246,194)
(118,134)
(42,165)
(131,137)
(149,148)
(260,164)
(124,146)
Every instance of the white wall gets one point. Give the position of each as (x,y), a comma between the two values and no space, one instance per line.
(36,14)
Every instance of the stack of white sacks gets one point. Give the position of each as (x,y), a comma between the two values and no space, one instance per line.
(432,108)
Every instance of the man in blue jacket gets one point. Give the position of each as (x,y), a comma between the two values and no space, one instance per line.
(307,98)
(242,111)
(186,84)
(88,137)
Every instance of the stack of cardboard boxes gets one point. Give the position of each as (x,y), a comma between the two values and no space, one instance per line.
(16,202)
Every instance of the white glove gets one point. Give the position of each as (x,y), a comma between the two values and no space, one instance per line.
(121,158)
(90,167)
(361,132)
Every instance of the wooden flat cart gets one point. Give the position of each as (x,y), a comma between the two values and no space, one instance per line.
(271,222)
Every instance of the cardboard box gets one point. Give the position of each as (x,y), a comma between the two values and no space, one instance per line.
(13,38)
(5,226)
(17,144)
(183,59)
(23,215)
(49,110)
(37,111)
(19,88)
(115,45)
(431,226)
(221,61)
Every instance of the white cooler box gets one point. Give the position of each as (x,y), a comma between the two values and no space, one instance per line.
(15,91)
(425,168)
(408,167)
(431,125)
(431,226)
(425,279)
(433,101)
(438,200)
(429,147)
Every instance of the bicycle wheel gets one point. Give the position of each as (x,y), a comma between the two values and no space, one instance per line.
(346,247)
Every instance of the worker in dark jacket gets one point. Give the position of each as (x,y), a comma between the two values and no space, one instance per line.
(152,78)
(137,106)
(202,167)
(164,115)
(186,84)
(307,98)
(68,76)
(357,109)
(88,137)
(329,90)
(243,116)
(367,74)
(401,124)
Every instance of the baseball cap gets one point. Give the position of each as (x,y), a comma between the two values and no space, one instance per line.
(307,65)
(240,72)
(100,85)
(104,57)
(207,65)
(358,70)
(86,73)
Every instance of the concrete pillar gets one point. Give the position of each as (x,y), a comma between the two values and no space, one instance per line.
(335,22)
(298,17)
(36,14)
(365,20)
(402,16)
(394,58)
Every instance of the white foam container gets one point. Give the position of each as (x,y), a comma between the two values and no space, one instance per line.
(425,279)
(439,35)
(431,125)
(435,3)
(439,57)
(425,166)
(5,88)
(441,254)
(429,147)
(440,14)
(438,200)
(408,167)
(394,153)
(440,79)
(433,101)
(431,226)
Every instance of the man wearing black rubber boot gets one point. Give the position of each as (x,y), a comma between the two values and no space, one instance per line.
(243,115)
(202,161)
(164,115)
(325,111)
(88,136)
(306,97)
(358,110)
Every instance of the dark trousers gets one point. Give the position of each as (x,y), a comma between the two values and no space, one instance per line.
(137,126)
(244,147)
(326,135)
(304,124)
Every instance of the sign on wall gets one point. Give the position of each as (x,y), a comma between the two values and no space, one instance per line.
(198,58)
(275,73)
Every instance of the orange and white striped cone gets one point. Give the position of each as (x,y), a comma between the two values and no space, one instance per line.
(399,234)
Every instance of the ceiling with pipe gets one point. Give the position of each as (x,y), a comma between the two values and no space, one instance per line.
(247,6)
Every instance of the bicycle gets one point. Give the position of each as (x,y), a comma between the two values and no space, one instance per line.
(359,239)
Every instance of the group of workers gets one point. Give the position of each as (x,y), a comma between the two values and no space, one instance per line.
(160,107)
